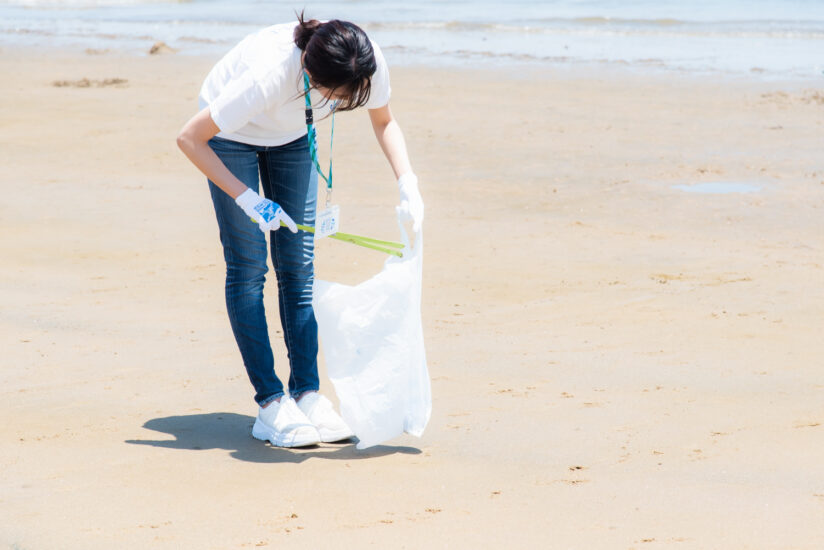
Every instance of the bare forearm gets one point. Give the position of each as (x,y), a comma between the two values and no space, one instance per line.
(390,138)
(194,142)
(205,159)
(391,141)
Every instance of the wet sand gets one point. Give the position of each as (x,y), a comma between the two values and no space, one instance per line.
(615,362)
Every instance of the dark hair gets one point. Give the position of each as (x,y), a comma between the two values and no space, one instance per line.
(337,55)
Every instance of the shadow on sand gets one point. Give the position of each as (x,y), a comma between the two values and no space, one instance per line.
(232,432)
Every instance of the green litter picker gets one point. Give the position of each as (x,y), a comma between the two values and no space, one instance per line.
(388,247)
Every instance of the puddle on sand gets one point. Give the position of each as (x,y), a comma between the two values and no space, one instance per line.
(715,187)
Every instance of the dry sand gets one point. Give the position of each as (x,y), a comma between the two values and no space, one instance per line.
(615,363)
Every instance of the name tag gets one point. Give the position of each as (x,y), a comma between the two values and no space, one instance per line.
(328,222)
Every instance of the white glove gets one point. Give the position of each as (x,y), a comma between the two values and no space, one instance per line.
(265,213)
(411,207)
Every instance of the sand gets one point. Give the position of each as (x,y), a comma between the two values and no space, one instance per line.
(615,362)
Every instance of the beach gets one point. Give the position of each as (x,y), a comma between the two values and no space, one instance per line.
(618,359)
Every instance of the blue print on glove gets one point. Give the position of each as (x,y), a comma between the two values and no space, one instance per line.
(267,210)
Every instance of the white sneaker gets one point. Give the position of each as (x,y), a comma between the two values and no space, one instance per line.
(322,414)
(284,425)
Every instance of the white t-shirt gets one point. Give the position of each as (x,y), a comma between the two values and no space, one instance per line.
(255,93)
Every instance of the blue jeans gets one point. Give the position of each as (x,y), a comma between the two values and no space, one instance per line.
(288,177)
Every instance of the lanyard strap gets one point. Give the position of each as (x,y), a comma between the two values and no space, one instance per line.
(312,136)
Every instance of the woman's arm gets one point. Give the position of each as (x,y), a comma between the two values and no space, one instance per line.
(194,142)
(390,138)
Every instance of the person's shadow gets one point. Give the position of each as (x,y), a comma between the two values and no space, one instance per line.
(232,432)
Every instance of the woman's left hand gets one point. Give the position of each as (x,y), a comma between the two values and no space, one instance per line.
(411,207)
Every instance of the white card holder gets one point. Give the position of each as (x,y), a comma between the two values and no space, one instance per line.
(328,222)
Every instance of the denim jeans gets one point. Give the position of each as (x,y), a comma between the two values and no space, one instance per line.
(288,177)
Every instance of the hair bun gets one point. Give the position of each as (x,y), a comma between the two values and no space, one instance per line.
(305,30)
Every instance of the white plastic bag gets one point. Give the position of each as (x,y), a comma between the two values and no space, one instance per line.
(372,340)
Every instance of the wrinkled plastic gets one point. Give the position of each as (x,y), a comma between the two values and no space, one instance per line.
(372,340)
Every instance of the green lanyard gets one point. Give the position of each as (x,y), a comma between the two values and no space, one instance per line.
(312,135)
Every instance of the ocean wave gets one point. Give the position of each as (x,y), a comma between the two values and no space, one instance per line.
(81,4)
(625,27)
(80,34)
(690,64)
(475,54)
(202,40)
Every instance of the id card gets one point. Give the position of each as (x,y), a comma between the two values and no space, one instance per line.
(328,222)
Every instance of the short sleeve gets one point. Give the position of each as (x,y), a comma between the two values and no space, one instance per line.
(239,101)
(380,92)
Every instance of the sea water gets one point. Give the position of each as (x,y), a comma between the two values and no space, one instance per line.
(764,39)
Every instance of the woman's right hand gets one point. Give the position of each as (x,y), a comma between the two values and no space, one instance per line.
(265,213)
